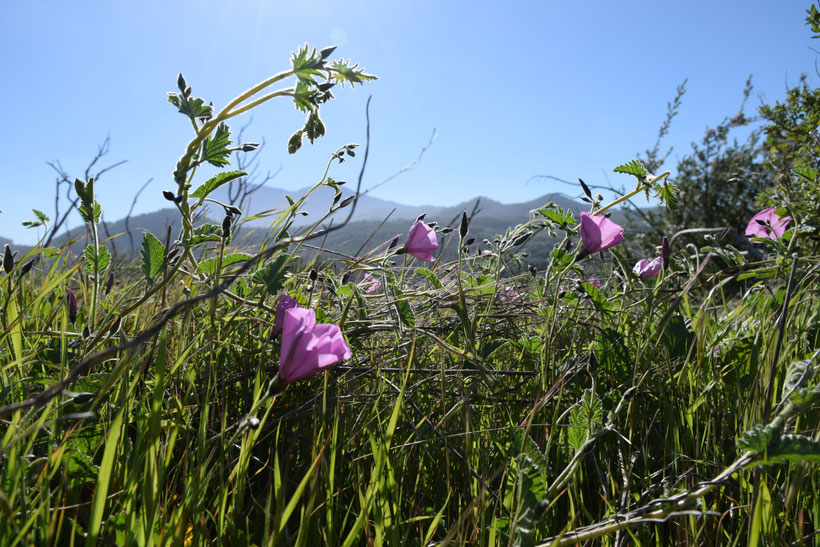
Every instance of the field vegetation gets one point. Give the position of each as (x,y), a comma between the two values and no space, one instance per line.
(436,388)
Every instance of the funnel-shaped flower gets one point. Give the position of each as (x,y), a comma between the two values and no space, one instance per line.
(507,293)
(595,282)
(767,224)
(285,303)
(648,268)
(599,233)
(308,348)
(421,242)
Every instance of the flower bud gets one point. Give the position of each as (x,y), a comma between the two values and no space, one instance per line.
(116,326)
(86,332)
(326,52)
(666,251)
(8,260)
(71,304)
(234,210)
(226,227)
(26,267)
(585,188)
(109,284)
(249,146)
(313,275)
(462,229)
(181,83)
(167,194)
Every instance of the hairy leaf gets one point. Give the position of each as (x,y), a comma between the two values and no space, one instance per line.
(209,266)
(558,216)
(193,107)
(343,72)
(272,276)
(585,418)
(634,167)
(215,182)
(307,63)
(531,490)
(215,150)
(206,232)
(759,438)
(97,259)
(794,448)
(152,254)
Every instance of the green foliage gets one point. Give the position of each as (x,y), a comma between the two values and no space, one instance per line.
(192,107)
(215,149)
(585,418)
(152,254)
(97,259)
(209,265)
(634,168)
(345,72)
(272,275)
(215,182)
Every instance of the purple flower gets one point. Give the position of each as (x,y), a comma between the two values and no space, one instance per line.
(421,242)
(308,348)
(595,282)
(767,224)
(599,233)
(71,304)
(285,303)
(369,284)
(648,268)
(507,293)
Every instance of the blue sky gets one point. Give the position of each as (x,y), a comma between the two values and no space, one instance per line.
(513,90)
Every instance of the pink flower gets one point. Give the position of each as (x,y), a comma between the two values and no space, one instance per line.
(595,282)
(308,348)
(421,242)
(767,224)
(646,268)
(507,293)
(599,233)
(369,284)
(285,303)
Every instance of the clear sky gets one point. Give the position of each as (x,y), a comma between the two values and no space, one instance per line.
(513,89)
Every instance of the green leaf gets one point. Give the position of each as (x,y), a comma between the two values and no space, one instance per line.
(215,150)
(585,418)
(90,212)
(794,448)
(153,257)
(314,127)
(97,259)
(307,63)
(558,216)
(209,266)
(798,375)
(295,142)
(431,277)
(596,296)
(272,276)
(215,182)
(344,72)
(193,107)
(759,438)
(403,308)
(634,167)
(40,216)
(531,490)
(206,232)
(304,96)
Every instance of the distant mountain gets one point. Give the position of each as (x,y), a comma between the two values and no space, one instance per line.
(366,231)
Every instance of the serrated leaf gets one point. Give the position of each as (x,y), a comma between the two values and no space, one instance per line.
(209,266)
(531,490)
(272,276)
(215,150)
(90,212)
(585,418)
(193,107)
(634,167)
(558,216)
(759,438)
(798,375)
(152,254)
(794,448)
(405,313)
(206,232)
(307,63)
(304,96)
(431,277)
(344,72)
(314,127)
(596,296)
(97,259)
(215,182)
(807,173)
(41,216)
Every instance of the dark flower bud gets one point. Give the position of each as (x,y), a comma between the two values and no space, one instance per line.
(585,188)
(8,260)
(249,146)
(562,294)
(187,91)
(520,240)
(446,230)
(86,332)
(462,229)
(226,227)
(172,254)
(26,267)
(347,201)
(469,241)
(421,217)
(170,196)
(295,142)
(326,52)
(533,270)
(326,86)
(181,83)
(345,277)
(71,304)
(109,284)
(666,251)
(234,210)
(313,274)
(393,243)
